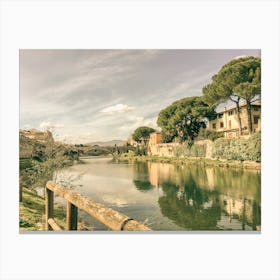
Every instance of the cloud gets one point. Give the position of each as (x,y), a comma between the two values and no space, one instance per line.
(48,125)
(107,94)
(139,121)
(239,56)
(116,109)
(27,126)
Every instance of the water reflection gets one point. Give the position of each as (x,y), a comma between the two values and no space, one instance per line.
(198,198)
(141,177)
(173,197)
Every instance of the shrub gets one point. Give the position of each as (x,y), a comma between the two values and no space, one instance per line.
(210,134)
(141,151)
(186,150)
(238,149)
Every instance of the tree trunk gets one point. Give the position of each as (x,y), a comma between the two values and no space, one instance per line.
(238,114)
(20,192)
(249,117)
(239,118)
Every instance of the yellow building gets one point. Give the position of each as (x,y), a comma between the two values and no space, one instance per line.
(227,120)
(155,138)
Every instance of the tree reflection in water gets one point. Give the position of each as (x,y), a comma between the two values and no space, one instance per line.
(204,198)
(190,207)
(143,186)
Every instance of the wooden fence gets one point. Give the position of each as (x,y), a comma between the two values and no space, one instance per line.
(112,219)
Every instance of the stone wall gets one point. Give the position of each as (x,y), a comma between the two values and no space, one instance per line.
(245,148)
(163,150)
(177,150)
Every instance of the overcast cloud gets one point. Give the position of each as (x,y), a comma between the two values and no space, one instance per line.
(97,95)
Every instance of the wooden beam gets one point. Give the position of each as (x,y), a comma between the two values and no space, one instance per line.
(48,206)
(53,224)
(109,217)
(71,216)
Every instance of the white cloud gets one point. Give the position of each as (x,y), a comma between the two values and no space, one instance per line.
(116,109)
(239,56)
(139,121)
(48,125)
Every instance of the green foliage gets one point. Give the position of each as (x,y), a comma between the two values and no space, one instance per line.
(142,134)
(32,210)
(183,119)
(141,151)
(24,163)
(242,149)
(238,149)
(240,78)
(44,171)
(210,134)
(186,150)
(254,147)
(45,159)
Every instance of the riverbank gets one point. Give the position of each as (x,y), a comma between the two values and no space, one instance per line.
(32,213)
(251,165)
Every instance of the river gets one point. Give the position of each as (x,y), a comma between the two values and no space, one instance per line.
(171,197)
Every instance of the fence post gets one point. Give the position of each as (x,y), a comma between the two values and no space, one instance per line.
(20,192)
(49,207)
(71,216)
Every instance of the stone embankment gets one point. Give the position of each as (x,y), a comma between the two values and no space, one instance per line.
(244,152)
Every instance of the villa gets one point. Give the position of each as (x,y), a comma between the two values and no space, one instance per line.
(227,120)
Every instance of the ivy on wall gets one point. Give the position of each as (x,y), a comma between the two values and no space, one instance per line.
(239,148)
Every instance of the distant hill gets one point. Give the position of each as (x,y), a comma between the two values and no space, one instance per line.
(108,143)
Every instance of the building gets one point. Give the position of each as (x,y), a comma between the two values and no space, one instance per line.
(227,120)
(35,134)
(155,138)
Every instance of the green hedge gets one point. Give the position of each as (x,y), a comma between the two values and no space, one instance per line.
(210,134)
(224,148)
(238,149)
(194,150)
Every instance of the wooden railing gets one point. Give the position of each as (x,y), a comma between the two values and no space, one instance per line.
(109,217)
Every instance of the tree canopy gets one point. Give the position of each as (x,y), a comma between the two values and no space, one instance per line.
(142,134)
(184,118)
(238,79)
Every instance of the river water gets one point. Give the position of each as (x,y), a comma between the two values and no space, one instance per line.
(171,197)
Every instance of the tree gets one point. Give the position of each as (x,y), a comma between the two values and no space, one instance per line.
(238,79)
(184,118)
(142,134)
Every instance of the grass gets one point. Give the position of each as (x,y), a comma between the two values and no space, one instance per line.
(25,163)
(32,213)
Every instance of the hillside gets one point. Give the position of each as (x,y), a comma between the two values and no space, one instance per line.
(33,142)
(36,143)
(108,143)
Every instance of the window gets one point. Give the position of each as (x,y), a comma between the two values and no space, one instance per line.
(230,113)
(220,116)
(256,119)
(229,124)
(256,108)
(214,126)
(221,124)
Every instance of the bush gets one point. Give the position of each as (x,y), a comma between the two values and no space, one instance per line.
(238,149)
(210,134)
(186,150)
(141,151)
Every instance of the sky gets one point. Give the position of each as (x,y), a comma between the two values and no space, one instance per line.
(84,96)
